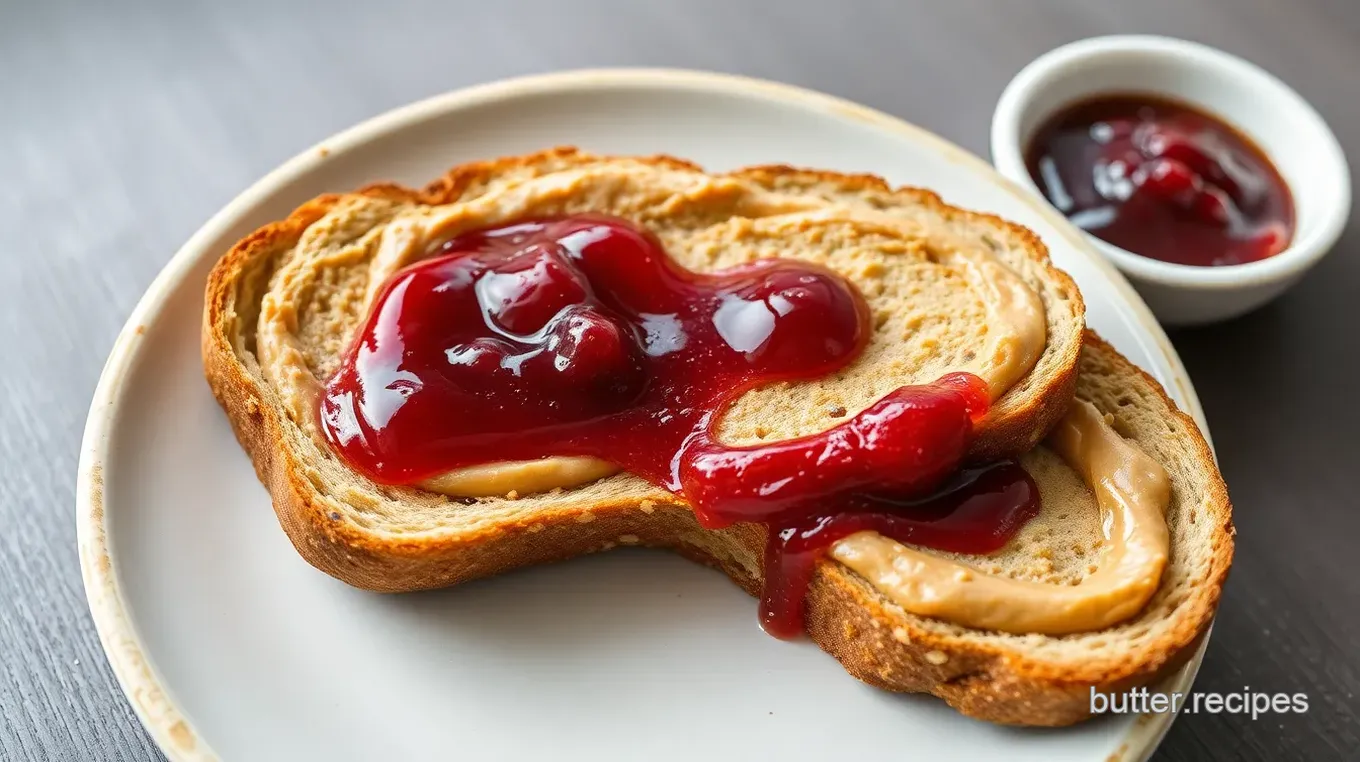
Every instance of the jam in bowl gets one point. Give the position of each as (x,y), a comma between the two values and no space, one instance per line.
(1277,232)
(1162,179)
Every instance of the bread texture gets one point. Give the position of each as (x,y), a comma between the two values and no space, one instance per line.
(394,539)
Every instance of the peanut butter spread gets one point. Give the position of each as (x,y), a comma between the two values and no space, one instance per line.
(693,213)
(1132,492)
(709,222)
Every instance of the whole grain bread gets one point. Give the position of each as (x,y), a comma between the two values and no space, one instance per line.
(400,538)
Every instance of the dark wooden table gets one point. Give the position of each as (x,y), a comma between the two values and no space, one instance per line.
(125,125)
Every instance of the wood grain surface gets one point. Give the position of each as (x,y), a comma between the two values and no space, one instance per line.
(123,126)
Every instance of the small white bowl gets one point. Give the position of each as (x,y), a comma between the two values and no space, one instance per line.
(1276,118)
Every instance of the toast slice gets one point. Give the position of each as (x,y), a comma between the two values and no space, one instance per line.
(400,538)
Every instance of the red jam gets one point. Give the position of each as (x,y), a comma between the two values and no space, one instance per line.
(977,510)
(1164,180)
(580,336)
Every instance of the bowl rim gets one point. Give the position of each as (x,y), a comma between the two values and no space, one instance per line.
(1309,245)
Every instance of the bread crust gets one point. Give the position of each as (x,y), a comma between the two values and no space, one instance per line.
(873,639)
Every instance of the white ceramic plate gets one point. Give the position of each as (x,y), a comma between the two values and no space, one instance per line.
(231,647)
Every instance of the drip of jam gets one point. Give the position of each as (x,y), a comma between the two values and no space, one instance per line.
(1164,180)
(977,510)
(579,336)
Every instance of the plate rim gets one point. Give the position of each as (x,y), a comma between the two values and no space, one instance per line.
(163,719)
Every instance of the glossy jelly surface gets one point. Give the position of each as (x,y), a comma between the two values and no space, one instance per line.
(1163,180)
(581,336)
